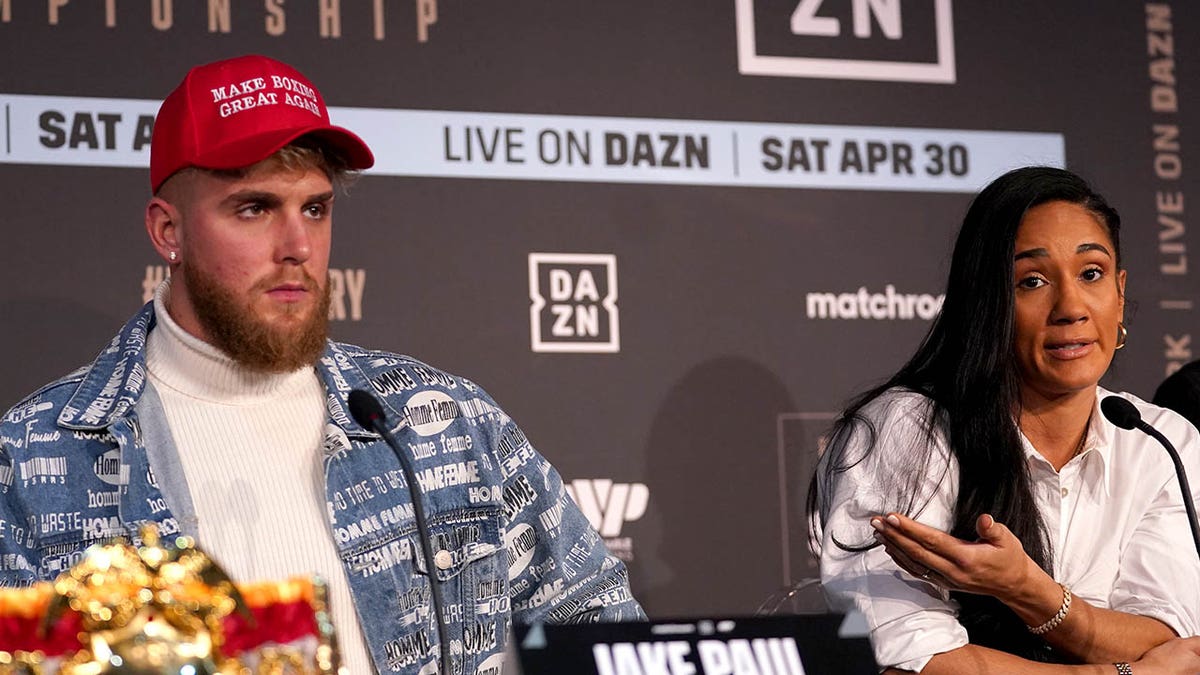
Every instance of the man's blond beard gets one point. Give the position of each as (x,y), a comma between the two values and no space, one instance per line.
(251,342)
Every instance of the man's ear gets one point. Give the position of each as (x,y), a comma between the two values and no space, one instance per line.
(162,224)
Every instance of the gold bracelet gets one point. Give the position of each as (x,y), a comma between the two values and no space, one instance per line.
(1057,618)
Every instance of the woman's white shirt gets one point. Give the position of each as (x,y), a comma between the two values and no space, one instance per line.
(1114,515)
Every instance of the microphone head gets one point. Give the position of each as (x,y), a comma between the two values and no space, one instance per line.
(365,409)
(1120,412)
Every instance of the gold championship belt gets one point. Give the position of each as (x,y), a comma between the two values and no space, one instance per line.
(164,610)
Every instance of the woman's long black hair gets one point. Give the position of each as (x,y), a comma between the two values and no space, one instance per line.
(967,370)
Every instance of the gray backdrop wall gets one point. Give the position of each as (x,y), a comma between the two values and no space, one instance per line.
(670,237)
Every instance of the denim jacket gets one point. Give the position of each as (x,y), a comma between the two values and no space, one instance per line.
(89,457)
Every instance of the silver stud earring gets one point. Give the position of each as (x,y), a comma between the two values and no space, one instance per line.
(173,255)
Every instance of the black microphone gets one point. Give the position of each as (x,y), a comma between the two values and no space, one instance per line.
(1117,410)
(366,410)
(1125,415)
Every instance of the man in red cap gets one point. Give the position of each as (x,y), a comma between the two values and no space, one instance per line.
(221,411)
(244,153)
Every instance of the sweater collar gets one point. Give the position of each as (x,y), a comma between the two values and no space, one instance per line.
(183,362)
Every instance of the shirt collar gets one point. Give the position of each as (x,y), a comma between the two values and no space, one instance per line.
(1097,447)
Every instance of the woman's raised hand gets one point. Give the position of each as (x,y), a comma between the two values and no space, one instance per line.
(995,564)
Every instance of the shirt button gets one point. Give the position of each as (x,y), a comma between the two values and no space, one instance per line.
(443,559)
(1065,491)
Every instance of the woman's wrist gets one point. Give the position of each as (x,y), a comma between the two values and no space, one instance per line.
(1059,616)
(1036,598)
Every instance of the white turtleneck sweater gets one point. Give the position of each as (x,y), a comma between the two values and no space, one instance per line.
(250,446)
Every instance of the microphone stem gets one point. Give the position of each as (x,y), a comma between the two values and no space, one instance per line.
(414,490)
(1183,481)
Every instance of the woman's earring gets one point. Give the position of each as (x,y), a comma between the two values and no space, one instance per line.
(1122,335)
(173,255)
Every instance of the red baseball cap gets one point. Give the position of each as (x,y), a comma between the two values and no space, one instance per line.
(234,113)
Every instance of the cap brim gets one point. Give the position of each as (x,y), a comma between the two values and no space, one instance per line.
(247,150)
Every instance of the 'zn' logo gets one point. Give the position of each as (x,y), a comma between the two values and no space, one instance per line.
(807,21)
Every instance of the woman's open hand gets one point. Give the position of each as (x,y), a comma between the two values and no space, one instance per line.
(995,564)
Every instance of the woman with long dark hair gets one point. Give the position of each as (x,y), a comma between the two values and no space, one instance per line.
(977,507)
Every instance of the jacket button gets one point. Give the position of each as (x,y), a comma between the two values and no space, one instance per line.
(443,559)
